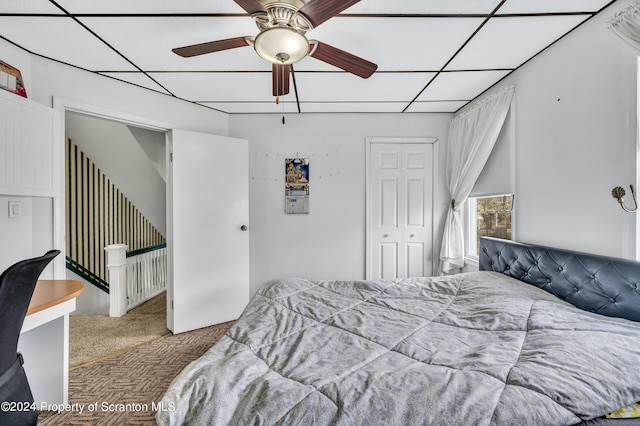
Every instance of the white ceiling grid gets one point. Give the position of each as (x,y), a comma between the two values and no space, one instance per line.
(432,55)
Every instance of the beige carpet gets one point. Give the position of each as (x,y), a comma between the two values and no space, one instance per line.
(93,337)
(125,389)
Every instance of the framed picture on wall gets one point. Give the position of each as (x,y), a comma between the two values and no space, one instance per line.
(296,197)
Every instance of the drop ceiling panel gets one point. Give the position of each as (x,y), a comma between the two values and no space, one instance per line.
(424,6)
(62,39)
(31,6)
(410,40)
(218,86)
(344,87)
(435,106)
(395,44)
(150,6)
(352,107)
(137,78)
(460,85)
(155,37)
(508,42)
(551,6)
(284,107)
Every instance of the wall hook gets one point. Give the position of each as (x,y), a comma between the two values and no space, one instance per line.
(618,193)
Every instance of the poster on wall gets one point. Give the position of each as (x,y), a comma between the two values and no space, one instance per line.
(296,197)
(11,79)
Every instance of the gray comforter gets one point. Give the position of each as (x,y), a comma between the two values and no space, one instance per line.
(470,349)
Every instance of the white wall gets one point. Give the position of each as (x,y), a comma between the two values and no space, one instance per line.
(28,235)
(154,145)
(116,152)
(17,233)
(329,242)
(575,107)
(45,79)
(92,301)
(575,132)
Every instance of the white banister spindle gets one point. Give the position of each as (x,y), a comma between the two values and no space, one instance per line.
(134,280)
(117,265)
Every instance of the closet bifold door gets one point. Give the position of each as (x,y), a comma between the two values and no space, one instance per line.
(400,205)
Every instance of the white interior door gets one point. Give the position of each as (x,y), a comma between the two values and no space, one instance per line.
(400,228)
(208,238)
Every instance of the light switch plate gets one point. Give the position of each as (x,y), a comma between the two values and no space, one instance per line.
(15,209)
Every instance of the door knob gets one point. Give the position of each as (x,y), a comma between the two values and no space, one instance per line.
(244,227)
(385,235)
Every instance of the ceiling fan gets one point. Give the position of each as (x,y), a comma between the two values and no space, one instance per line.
(282,40)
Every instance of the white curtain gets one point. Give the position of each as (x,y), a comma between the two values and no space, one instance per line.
(471,138)
(626,25)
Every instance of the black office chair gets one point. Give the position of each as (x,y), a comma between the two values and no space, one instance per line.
(16,288)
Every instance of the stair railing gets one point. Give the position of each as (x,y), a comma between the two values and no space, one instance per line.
(99,215)
(134,277)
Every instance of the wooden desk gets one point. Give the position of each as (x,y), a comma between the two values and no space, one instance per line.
(49,293)
(44,339)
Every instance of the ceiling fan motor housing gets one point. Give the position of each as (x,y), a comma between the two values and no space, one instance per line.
(281,39)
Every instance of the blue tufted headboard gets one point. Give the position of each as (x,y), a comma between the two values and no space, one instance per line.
(605,285)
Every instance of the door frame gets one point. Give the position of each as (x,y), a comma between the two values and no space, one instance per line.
(435,170)
(63,105)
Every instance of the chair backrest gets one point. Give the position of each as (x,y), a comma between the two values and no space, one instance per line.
(16,288)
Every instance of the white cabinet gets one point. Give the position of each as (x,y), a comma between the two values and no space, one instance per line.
(26,147)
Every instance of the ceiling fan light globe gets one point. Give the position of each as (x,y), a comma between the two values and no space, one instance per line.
(281,45)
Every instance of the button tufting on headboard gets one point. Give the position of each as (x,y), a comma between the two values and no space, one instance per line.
(594,283)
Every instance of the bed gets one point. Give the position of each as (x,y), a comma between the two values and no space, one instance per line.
(538,336)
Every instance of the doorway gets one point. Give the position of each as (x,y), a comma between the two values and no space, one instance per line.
(221,209)
(115,194)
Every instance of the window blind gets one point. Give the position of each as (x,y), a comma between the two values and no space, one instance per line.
(497,175)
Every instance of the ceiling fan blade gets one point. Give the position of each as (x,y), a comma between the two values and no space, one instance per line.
(211,46)
(280,74)
(341,59)
(250,6)
(318,11)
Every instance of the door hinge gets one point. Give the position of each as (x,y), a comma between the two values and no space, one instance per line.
(171,303)
(171,157)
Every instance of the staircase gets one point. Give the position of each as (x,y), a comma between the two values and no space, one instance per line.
(99,215)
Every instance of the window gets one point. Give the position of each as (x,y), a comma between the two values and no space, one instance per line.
(490,201)
(487,217)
